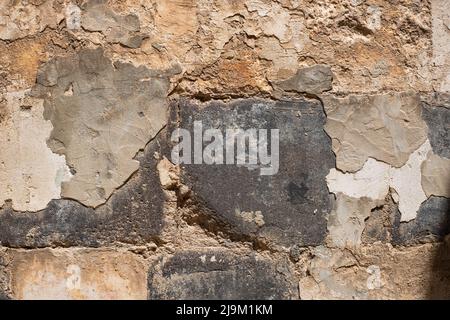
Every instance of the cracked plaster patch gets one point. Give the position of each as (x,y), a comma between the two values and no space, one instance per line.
(30,174)
(103,113)
(385,127)
(375,179)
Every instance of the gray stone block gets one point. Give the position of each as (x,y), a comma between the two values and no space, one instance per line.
(289,207)
(220,274)
(436,114)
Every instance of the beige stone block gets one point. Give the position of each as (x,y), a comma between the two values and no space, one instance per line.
(77,274)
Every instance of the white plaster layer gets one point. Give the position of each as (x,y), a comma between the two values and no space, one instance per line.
(30,173)
(375,178)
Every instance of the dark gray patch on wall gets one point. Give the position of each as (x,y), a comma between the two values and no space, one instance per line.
(431,224)
(437,116)
(218,274)
(289,207)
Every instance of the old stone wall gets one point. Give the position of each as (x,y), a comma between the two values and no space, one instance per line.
(92,205)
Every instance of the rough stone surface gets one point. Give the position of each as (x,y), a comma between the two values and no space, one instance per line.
(134,214)
(219,274)
(379,225)
(86,166)
(366,45)
(314,80)
(114,108)
(123,29)
(441,44)
(378,271)
(325,280)
(385,127)
(25,18)
(294,202)
(5,292)
(77,274)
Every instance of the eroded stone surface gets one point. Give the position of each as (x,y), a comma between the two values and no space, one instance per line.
(220,274)
(19,19)
(113,108)
(77,274)
(366,44)
(314,80)
(325,282)
(294,202)
(378,271)
(123,29)
(441,43)
(133,214)
(228,50)
(30,173)
(4,275)
(385,127)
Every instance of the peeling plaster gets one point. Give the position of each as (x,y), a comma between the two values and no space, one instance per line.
(30,174)
(375,178)
(346,221)
(385,127)
(407,183)
(371,181)
(123,29)
(114,109)
(436,176)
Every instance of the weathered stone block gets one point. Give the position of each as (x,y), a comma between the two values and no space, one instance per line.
(77,274)
(289,207)
(314,80)
(378,271)
(220,274)
(4,275)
